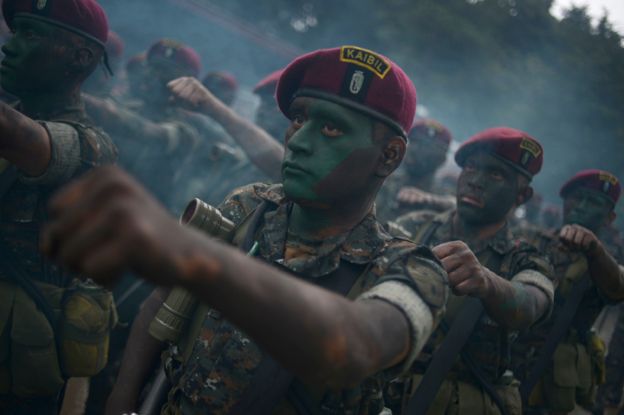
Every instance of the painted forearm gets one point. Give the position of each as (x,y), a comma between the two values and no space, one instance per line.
(514,305)
(320,336)
(23,142)
(607,274)
(260,147)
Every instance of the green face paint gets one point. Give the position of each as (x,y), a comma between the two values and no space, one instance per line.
(35,58)
(330,154)
(587,208)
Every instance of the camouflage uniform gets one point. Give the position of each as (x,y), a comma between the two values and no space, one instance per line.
(223,359)
(578,362)
(76,147)
(488,346)
(610,393)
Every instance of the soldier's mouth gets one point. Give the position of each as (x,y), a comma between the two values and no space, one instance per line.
(472,200)
(291,167)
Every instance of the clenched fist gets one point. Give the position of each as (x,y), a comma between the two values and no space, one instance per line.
(465,273)
(578,238)
(191,94)
(106,223)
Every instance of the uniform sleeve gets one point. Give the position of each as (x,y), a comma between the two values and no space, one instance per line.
(73,151)
(418,287)
(535,270)
(240,202)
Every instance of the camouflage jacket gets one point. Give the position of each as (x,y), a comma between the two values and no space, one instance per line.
(569,268)
(489,343)
(77,146)
(223,360)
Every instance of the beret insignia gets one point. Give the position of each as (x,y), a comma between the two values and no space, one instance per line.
(366,59)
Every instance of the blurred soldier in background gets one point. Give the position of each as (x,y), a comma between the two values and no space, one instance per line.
(561,362)
(413,186)
(223,85)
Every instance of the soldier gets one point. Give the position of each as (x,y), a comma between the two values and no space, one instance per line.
(413,186)
(349,109)
(223,85)
(610,394)
(157,139)
(508,279)
(46,140)
(589,278)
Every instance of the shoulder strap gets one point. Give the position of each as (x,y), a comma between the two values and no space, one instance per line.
(424,234)
(560,328)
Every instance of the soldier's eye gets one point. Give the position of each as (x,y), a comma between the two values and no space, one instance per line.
(496,175)
(331,130)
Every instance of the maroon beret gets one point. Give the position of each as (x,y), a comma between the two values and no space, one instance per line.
(268,84)
(176,52)
(84,17)
(114,45)
(516,147)
(426,127)
(222,79)
(356,78)
(599,180)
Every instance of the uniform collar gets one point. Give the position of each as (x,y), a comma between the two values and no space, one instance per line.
(360,246)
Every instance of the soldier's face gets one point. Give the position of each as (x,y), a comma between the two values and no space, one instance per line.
(270,118)
(587,208)
(35,58)
(487,189)
(424,156)
(330,153)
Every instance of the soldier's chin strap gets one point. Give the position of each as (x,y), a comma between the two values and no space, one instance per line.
(106,63)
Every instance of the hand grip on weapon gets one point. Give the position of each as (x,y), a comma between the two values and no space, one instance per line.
(105,223)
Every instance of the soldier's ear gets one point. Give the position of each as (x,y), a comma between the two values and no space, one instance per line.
(83,58)
(391,156)
(611,217)
(524,195)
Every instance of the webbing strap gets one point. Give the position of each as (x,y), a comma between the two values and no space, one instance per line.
(560,328)
(445,357)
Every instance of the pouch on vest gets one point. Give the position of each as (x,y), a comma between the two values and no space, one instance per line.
(88,316)
(34,365)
